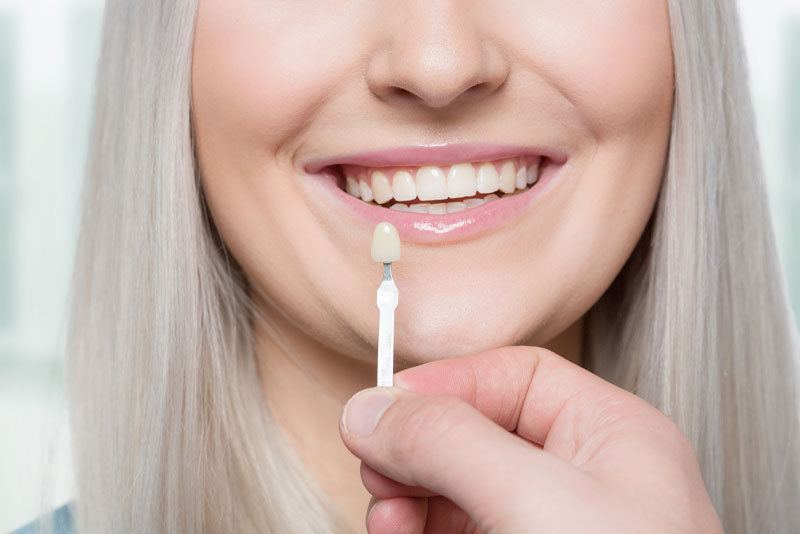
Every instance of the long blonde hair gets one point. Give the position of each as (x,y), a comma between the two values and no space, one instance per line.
(170,429)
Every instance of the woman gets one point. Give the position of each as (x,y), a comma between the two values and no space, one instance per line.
(223,305)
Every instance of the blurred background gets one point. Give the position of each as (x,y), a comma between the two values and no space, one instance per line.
(48,51)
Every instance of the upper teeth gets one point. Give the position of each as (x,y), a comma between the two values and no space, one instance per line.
(430,182)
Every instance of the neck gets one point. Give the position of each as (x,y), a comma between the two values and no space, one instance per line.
(306,384)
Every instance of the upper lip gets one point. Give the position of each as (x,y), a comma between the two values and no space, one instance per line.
(448,154)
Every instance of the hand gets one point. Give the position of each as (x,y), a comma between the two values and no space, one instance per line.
(519,440)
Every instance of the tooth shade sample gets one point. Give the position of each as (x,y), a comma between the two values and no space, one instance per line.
(507,177)
(385,243)
(419,208)
(489,198)
(403,186)
(366,191)
(461,181)
(521,177)
(431,183)
(488,181)
(381,189)
(399,207)
(352,186)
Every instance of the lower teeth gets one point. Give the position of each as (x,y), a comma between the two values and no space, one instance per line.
(443,208)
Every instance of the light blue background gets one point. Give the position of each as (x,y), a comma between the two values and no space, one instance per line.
(48,50)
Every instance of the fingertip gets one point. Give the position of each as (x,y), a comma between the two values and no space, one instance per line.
(399,515)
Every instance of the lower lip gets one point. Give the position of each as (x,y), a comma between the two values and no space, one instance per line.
(430,229)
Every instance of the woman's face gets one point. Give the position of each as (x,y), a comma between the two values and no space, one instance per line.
(432,99)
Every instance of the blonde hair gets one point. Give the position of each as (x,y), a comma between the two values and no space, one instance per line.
(170,429)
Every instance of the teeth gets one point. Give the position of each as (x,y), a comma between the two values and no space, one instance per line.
(474,202)
(453,207)
(381,188)
(507,177)
(352,187)
(431,183)
(488,179)
(419,208)
(437,209)
(521,177)
(461,181)
(533,174)
(366,191)
(403,186)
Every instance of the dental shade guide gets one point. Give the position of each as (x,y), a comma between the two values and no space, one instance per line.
(386,249)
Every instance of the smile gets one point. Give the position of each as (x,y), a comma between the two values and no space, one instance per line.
(463,185)
(429,195)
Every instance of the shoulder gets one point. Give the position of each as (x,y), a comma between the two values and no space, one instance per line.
(62,523)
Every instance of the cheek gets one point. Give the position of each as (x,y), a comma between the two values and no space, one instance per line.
(611,60)
(259,76)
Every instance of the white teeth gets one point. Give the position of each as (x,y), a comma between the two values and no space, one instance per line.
(474,202)
(419,208)
(533,174)
(521,177)
(366,191)
(461,181)
(431,183)
(381,188)
(488,180)
(403,186)
(352,187)
(437,209)
(453,207)
(507,177)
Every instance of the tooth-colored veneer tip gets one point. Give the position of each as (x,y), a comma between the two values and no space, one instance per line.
(385,243)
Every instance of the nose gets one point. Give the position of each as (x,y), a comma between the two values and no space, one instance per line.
(435,53)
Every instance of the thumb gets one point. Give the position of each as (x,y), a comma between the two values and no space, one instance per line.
(447,446)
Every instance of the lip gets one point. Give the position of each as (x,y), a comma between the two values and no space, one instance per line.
(417,156)
(435,229)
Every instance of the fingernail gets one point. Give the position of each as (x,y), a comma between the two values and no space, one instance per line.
(363,411)
(372,506)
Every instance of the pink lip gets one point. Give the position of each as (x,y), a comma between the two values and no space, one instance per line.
(431,229)
(415,156)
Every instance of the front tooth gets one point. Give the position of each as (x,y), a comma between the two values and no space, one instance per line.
(437,209)
(521,176)
(431,183)
(399,207)
(489,198)
(381,189)
(488,180)
(474,202)
(419,208)
(352,187)
(403,186)
(507,177)
(533,174)
(366,191)
(453,207)
(461,181)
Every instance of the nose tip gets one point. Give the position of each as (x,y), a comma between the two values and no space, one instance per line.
(436,60)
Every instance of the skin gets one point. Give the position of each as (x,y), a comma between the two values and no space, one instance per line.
(276,86)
